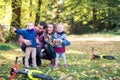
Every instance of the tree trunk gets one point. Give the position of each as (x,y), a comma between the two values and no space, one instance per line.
(30,15)
(94,19)
(16,13)
(37,17)
(108,25)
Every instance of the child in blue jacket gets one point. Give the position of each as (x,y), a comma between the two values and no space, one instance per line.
(29,34)
(60,41)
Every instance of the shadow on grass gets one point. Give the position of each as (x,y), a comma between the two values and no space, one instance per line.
(5,47)
(8,46)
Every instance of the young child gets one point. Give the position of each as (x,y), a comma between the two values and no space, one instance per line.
(29,34)
(58,39)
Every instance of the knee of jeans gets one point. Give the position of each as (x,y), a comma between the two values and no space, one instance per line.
(57,56)
(38,50)
(46,46)
(37,53)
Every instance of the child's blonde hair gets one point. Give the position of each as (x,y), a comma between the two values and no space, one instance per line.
(31,23)
(62,25)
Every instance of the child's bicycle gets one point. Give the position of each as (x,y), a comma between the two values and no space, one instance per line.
(96,56)
(32,74)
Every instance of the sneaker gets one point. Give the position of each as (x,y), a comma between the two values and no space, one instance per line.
(65,65)
(51,64)
(34,66)
(55,65)
(27,66)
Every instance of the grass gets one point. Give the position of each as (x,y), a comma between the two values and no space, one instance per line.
(80,66)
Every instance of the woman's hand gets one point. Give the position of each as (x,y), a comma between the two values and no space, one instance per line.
(27,42)
(51,43)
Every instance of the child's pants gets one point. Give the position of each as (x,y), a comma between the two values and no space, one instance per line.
(57,58)
(32,51)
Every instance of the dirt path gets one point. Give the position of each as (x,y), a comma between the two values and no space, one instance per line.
(93,38)
(102,44)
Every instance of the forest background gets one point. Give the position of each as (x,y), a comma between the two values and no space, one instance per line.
(80,16)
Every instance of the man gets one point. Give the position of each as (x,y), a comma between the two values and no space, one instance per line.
(40,31)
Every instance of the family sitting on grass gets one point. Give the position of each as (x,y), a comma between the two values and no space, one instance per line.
(47,37)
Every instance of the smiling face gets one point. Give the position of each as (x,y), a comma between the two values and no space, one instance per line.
(30,26)
(39,29)
(50,29)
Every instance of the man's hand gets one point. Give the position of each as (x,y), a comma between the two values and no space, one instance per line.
(27,42)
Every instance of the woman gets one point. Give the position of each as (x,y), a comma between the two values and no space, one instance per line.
(48,38)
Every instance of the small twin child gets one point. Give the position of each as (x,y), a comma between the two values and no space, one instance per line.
(60,41)
(29,34)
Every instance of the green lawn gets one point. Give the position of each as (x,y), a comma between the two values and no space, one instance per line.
(80,66)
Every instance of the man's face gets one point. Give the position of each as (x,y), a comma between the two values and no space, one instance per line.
(40,29)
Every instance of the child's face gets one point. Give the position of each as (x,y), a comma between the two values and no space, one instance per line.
(50,29)
(30,26)
(60,28)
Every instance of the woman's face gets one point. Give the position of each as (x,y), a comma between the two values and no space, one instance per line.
(50,29)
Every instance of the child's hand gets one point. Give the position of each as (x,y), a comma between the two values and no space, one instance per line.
(58,42)
(14,29)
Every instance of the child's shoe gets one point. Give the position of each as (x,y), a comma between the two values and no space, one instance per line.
(65,65)
(52,64)
(55,65)
(34,66)
(27,66)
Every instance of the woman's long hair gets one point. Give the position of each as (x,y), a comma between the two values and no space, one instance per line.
(54,28)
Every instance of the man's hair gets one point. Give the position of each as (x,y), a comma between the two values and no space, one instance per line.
(44,24)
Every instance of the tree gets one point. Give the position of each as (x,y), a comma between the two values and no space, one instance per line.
(16,13)
(30,9)
(81,15)
(37,16)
